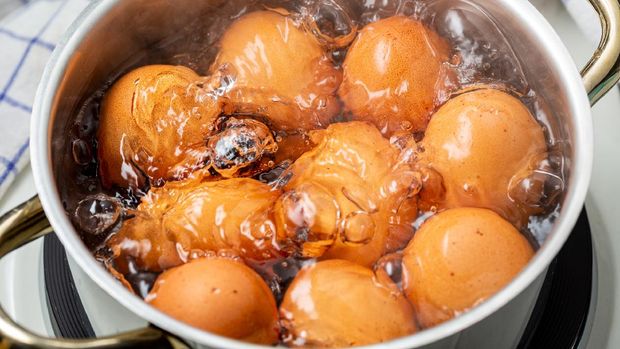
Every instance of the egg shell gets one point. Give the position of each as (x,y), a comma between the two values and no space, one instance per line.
(150,120)
(478,142)
(221,296)
(457,259)
(336,303)
(392,72)
(280,72)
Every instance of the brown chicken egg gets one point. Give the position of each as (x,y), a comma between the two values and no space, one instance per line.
(193,217)
(221,296)
(481,143)
(280,71)
(391,74)
(459,258)
(153,123)
(336,304)
(348,198)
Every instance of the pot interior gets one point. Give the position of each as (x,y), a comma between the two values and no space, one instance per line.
(491,41)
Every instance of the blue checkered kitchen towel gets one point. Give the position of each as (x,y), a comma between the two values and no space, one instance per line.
(29,30)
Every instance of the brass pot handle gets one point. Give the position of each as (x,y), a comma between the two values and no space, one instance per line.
(24,224)
(602,72)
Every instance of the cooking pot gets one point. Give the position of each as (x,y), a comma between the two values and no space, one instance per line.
(110,32)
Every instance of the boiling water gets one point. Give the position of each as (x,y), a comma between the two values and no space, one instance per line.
(481,56)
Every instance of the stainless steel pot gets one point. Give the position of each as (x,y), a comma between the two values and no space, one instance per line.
(110,31)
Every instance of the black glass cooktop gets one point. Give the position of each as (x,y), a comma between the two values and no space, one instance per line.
(558,319)
(561,312)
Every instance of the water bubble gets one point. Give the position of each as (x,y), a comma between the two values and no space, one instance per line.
(390,266)
(539,186)
(433,191)
(240,144)
(97,214)
(402,190)
(402,184)
(330,22)
(308,217)
(447,83)
(274,176)
(374,10)
(282,180)
(258,229)
(469,189)
(338,56)
(81,151)
(358,228)
(360,198)
(197,253)
(229,254)
(408,8)
(485,53)
(408,146)
(526,191)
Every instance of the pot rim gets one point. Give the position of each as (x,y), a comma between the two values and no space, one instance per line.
(40,136)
